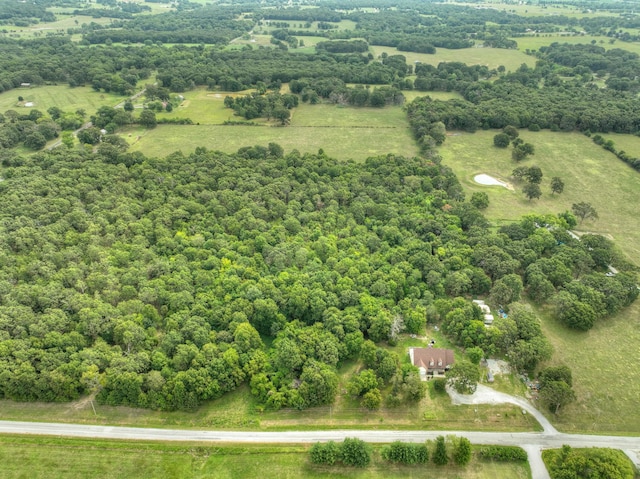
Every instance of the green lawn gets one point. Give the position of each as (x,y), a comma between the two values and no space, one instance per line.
(491,57)
(343,132)
(34,458)
(603,360)
(62,96)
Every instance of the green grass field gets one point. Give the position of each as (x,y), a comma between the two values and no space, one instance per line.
(532,42)
(601,359)
(411,95)
(529,9)
(62,96)
(343,132)
(590,174)
(60,26)
(491,57)
(37,458)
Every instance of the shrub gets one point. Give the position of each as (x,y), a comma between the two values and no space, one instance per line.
(355,452)
(406,453)
(503,453)
(324,453)
(439,385)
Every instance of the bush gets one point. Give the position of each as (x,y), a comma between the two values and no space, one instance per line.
(324,453)
(440,457)
(501,140)
(355,452)
(462,451)
(405,453)
(440,385)
(503,454)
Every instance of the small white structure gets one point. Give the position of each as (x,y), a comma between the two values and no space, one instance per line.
(486,312)
(28,104)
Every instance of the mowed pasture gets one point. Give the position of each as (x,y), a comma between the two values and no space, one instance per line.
(491,57)
(59,27)
(540,9)
(534,42)
(604,359)
(61,96)
(342,132)
(88,458)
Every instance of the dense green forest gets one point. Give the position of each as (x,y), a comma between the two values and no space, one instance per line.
(160,283)
(166,282)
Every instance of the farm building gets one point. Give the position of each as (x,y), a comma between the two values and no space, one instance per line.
(431,361)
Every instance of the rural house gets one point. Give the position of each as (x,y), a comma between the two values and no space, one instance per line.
(431,361)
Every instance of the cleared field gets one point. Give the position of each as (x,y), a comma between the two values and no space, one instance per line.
(606,382)
(590,174)
(491,57)
(540,9)
(342,132)
(72,458)
(411,95)
(535,42)
(59,26)
(62,96)
(605,374)
(345,143)
(206,107)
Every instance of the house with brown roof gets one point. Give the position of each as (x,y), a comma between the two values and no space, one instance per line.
(431,361)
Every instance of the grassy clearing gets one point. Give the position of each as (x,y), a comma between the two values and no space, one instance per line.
(590,174)
(491,57)
(74,458)
(344,143)
(533,43)
(607,387)
(605,376)
(62,96)
(529,9)
(345,133)
(411,95)
(60,26)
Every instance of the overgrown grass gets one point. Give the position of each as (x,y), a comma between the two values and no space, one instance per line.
(36,457)
(491,57)
(604,359)
(62,96)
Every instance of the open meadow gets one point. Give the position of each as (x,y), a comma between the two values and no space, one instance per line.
(606,385)
(342,132)
(80,458)
(534,42)
(491,57)
(61,96)
(530,9)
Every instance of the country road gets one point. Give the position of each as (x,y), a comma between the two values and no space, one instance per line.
(532,442)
